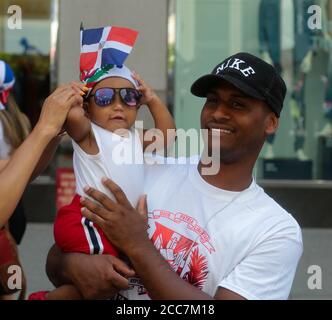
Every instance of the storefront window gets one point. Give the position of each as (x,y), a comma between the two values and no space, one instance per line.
(294,36)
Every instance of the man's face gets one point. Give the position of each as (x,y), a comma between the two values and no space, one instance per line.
(239,122)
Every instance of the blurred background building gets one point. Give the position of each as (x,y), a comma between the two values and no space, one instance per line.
(179,40)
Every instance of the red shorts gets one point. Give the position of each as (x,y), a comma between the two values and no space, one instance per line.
(74,233)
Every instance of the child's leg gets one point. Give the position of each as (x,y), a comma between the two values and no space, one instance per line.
(65,292)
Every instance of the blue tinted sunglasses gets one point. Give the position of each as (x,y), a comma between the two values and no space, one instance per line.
(104,96)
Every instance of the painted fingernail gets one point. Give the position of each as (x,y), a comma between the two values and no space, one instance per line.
(82,94)
(85,88)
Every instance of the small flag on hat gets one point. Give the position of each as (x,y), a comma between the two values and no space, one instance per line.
(104,46)
(7,80)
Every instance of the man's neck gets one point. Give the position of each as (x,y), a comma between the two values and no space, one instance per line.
(231,177)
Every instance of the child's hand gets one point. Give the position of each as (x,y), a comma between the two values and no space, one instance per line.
(147,93)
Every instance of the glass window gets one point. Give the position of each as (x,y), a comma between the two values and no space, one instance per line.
(289,35)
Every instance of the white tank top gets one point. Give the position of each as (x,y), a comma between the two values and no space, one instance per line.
(119,158)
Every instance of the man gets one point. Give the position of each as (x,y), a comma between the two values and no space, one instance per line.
(221,234)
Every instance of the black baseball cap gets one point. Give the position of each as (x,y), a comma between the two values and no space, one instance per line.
(250,74)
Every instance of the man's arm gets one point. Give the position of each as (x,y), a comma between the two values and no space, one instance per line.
(96,280)
(55,269)
(267,272)
(162,282)
(126,228)
(96,276)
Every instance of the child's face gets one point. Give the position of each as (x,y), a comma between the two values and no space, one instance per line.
(116,115)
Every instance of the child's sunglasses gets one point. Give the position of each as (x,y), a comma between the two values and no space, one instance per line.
(104,96)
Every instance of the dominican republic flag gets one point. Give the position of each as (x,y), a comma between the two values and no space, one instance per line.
(103,46)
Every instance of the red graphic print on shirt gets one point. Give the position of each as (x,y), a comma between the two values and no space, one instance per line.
(184,248)
(182,254)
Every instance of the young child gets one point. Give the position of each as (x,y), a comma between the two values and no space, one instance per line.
(105,145)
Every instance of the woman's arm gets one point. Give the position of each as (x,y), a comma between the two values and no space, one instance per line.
(3,163)
(44,160)
(46,157)
(77,125)
(17,173)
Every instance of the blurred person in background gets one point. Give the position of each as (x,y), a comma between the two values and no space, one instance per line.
(14,128)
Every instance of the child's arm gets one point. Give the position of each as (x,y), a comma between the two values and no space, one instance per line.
(77,125)
(163,119)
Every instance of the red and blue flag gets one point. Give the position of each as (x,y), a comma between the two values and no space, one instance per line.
(105,46)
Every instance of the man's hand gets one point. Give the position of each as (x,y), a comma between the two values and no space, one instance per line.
(124,226)
(97,276)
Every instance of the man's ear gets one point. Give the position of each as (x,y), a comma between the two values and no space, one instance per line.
(272,123)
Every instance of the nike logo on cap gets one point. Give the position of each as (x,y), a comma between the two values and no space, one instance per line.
(237,64)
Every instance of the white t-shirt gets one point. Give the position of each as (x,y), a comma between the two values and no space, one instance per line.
(5,148)
(242,241)
(119,158)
